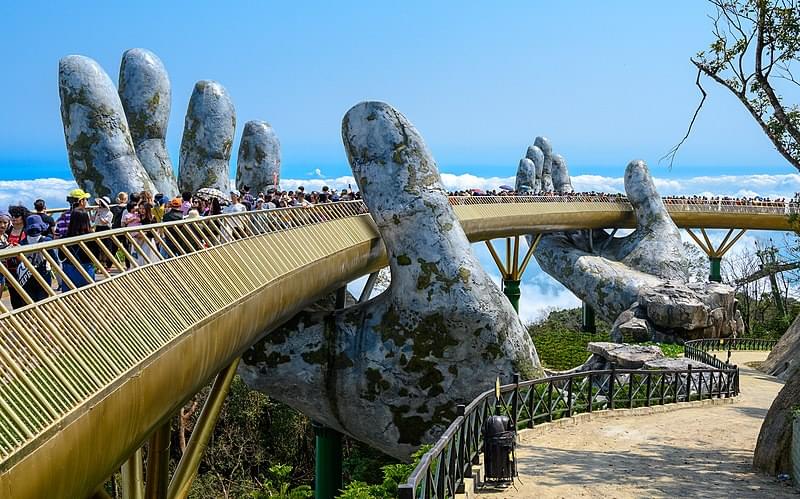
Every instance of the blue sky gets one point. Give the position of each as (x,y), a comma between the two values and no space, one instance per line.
(606,81)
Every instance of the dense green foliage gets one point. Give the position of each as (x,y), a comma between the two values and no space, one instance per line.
(559,340)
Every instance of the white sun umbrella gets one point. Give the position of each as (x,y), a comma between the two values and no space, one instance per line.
(209,193)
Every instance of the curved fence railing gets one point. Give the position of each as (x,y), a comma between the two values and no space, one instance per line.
(442,470)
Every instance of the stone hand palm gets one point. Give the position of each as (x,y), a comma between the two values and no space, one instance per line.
(637,281)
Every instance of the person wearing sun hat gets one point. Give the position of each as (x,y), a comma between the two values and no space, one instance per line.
(76,199)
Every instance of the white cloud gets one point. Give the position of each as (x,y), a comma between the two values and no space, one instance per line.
(25,192)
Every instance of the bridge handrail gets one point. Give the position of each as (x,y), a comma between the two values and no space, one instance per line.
(442,470)
(150,243)
(46,360)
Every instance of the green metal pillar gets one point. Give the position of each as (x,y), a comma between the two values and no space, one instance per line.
(716,274)
(511,290)
(328,463)
(588,324)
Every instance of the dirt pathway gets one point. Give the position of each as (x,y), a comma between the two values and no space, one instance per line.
(695,452)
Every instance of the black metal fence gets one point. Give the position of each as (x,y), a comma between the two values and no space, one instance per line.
(441,472)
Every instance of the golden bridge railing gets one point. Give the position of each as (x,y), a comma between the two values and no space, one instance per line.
(52,354)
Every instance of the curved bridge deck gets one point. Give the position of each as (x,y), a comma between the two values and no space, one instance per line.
(693,452)
(113,360)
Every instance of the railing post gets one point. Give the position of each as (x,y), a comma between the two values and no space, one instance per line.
(405,491)
(736,380)
(689,383)
(663,387)
(631,377)
(612,379)
(550,401)
(589,394)
(648,388)
(677,382)
(515,401)
(569,397)
(463,452)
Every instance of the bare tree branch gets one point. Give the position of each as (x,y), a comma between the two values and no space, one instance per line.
(674,151)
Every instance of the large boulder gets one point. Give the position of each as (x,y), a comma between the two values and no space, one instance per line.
(784,359)
(773,449)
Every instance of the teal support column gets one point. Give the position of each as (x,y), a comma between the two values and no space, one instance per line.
(511,290)
(328,463)
(715,275)
(588,324)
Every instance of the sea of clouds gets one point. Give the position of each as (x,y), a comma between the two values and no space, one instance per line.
(540,293)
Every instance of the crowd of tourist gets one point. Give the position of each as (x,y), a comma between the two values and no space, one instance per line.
(604,196)
(20,226)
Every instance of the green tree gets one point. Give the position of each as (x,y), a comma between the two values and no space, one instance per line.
(755,43)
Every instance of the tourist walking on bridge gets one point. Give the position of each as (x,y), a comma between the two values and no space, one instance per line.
(78,225)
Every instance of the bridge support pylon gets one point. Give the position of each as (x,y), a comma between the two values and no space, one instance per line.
(715,254)
(328,462)
(588,323)
(190,461)
(511,272)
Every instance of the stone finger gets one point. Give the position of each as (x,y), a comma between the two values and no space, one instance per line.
(99,144)
(259,162)
(144,90)
(561,180)
(543,143)
(526,177)
(207,139)
(537,156)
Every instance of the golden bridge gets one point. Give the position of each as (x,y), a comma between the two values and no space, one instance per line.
(90,375)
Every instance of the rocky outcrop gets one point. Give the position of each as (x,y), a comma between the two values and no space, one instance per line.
(99,144)
(784,359)
(604,355)
(637,282)
(402,360)
(144,89)
(207,139)
(625,356)
(259,162)
(674,310)
(773,449)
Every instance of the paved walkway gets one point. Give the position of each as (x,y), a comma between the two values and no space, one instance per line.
(694,452)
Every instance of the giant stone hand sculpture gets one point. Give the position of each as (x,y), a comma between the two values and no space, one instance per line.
(390,371)
(116,140)
(636,282)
